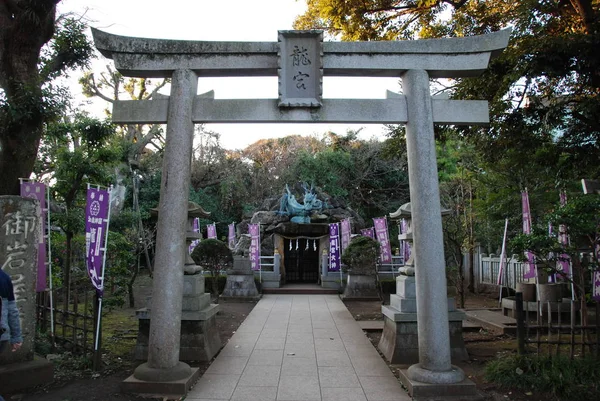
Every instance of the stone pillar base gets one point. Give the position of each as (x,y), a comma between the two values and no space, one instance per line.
(400,343)
(176,388)
(21,375)
(199,341)
(464,390)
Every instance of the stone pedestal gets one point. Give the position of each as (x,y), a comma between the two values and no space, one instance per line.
(464,390)
(399,341)
(21,222)
(360,287)
(528,290)
(199,339)
(550,292)
(240,285)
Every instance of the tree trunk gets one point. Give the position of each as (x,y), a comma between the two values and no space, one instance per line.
(131,281)
(25,26)
(585,9)
(18,151)
(471,286)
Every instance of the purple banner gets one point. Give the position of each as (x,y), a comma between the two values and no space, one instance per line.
(529,271)
(368,232)
(335,262)
(196,229)
(211,231)
(404,245)
(37,190)
(346,232)
(231,236)
(563,265)
(96,224)
(502,254)
(254,231)
(596,285)
(381,233)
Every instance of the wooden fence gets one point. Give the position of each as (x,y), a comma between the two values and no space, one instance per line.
(74,318)
(556,329)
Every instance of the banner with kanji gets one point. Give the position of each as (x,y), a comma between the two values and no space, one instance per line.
(529,271)
(405,249)
(596,285)
(335,261)
(345,234)
(368,232)
(37,190)
(254,231)
(96,225)
(563,265)
(381,234)
(196,229)
(231,236)
(502,254)
(211,231)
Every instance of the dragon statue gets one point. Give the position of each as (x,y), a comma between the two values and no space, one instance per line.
(300,212)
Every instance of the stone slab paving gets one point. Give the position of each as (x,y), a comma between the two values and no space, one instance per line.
(298,348)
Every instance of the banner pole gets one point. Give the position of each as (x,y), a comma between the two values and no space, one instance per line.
(502,258)
(338,247)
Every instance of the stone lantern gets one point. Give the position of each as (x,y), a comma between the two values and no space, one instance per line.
(200,340)
(399,341)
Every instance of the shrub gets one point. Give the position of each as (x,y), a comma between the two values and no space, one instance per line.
(566,379)
(214,256)
(388,286)
(360,257)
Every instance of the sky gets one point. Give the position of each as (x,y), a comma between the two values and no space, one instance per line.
(231,20)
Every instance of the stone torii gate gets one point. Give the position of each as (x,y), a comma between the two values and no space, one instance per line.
(300,59)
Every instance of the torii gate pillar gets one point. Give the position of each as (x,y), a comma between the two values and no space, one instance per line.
(163,347)
(428,244)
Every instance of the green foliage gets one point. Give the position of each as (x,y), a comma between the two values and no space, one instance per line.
(363,174)
(68,49)
(361,255)
(328,169)
(120,266)
(76,152)
(580,220)
(388,285)
(566,379)
(120,262)
(60,256)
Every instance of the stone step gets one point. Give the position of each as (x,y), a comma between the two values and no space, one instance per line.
(493,319)
(377,325)
(310,289)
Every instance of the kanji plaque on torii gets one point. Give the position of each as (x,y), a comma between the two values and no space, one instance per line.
(300,68)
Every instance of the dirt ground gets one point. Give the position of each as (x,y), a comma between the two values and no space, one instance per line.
(89,386)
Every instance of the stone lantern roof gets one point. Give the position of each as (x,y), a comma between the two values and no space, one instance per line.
(194,210)
(404,212)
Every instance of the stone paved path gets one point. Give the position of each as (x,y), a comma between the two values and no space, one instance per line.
(299,348)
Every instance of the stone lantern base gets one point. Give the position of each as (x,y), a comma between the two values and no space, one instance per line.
(399,341)
(200,340)
(240,285)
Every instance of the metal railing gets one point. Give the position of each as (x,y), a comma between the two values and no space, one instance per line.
(270,263)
